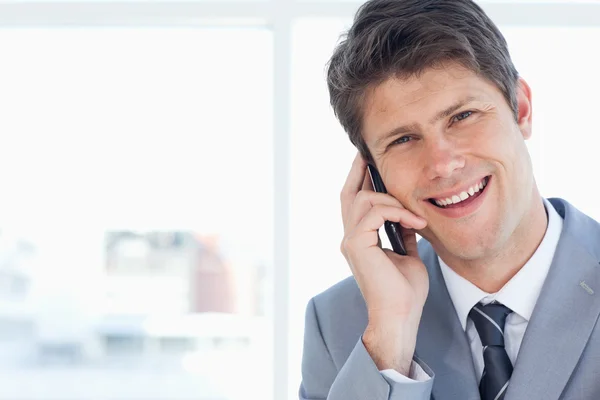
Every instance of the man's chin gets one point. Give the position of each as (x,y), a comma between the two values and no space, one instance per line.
(468,248)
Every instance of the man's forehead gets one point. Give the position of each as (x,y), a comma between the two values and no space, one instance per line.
(402,92)
(394,97)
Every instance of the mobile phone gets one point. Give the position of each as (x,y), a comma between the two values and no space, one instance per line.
(393,229)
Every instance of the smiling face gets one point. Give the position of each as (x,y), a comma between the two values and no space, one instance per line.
(437,139)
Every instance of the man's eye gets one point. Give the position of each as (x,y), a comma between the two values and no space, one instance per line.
(462,115)
(401,140)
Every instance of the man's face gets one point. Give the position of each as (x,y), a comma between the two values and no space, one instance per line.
(451,133)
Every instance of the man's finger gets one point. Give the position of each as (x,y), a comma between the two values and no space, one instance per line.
(353,183)
(363,202)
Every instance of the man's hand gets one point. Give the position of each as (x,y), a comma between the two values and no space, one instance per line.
(394,287)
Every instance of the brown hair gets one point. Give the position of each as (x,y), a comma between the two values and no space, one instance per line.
(402,38)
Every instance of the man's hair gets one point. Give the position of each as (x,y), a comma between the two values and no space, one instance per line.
(402,38)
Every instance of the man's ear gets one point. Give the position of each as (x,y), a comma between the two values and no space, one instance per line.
(524,108)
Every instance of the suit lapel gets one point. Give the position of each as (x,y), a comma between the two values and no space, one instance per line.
(565,313)
(441,341)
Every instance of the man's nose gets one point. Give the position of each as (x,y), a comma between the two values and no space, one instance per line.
(442,159)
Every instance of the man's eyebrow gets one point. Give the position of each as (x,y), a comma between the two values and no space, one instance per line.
(414,127)
(450,110)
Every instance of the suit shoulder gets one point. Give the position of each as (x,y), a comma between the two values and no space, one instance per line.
(342,295)
(341,315)
(341,309)
(583,228)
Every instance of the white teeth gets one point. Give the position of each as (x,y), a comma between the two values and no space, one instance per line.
(463,195)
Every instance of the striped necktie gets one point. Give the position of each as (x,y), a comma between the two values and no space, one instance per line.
(489,321)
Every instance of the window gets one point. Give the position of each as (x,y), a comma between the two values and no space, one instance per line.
(136,212)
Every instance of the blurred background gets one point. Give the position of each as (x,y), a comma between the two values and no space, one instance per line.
(169,183)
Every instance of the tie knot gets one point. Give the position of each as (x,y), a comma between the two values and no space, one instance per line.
(489,321)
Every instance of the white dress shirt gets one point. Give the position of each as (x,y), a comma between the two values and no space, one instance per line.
(520,294)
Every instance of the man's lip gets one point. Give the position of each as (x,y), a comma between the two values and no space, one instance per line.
(457,191)
(466,208)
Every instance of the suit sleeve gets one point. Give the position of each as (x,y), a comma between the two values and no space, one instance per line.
(358,379)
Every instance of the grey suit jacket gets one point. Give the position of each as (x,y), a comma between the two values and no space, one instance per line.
(559,356)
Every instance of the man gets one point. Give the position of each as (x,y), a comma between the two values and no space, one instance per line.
(498,300)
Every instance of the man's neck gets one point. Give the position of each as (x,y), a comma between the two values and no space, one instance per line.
(491,274)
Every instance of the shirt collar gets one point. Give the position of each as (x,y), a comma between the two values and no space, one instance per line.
(521,292)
